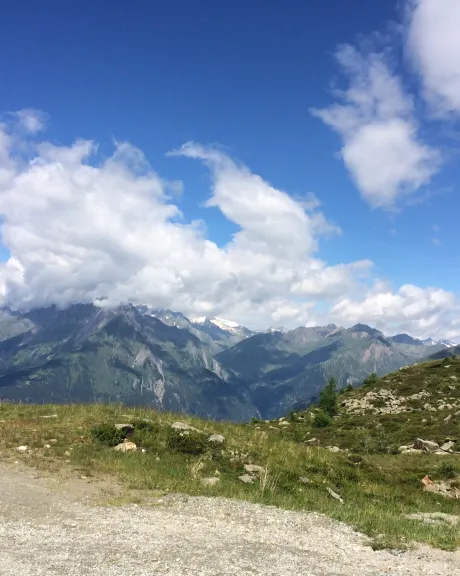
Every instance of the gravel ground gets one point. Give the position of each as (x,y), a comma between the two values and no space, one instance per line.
(49,527)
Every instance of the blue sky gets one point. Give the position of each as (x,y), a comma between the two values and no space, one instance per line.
(258,82)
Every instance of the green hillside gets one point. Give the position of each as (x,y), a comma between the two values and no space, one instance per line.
(351,469)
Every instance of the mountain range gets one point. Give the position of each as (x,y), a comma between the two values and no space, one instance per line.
(211,367)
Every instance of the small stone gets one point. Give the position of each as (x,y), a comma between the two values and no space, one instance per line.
(143,450)
(333,449)
(334,495)
(22,448)
(217,438)
(448,418)
(125,447)
(210,481)
(53,441)
(304,480)
(67,453)
(254,469)
(49,416)
(283,423)
(125,428)
(246,478)
(311,441)
(47,446)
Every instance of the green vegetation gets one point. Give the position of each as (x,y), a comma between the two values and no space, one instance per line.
(328,398)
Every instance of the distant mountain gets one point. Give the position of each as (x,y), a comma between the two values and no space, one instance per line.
(444,353)
(406,339)
(91,354)
(285,370)
(205,366)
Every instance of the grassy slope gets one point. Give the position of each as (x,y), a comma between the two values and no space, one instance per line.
(378,488)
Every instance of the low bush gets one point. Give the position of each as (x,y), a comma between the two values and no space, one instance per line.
(192,443)
(107,434)
(322,419)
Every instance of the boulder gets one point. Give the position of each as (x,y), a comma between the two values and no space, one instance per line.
(246,478)
(426,445)
(125,447)
(184,427)
(448,446)
(217,438)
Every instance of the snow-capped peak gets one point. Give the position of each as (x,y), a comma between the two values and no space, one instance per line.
(221,323)
(431,342)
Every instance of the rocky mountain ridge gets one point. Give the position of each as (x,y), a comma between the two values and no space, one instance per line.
(210,367)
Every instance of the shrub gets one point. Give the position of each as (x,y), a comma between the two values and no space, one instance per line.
(322,419)
(371,380)
(350,387)
(447,470)
(192,443)
(107,434)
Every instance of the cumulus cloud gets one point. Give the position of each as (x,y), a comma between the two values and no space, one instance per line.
(374,117)
(421,312)
(79,231)
(433,44)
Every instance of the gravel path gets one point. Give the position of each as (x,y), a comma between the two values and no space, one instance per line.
(53,529)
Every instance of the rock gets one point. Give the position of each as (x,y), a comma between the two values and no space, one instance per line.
(454,378)
(47,446)
(440,453)
(304,480)
(49,416)
(283,423)
(448,446)
(436,518)
(67,453)
(210,481)
(217,438)
(447,418)
(53,441)
(246,478)
(22,448)
(282,419)
(333,449)
(334,495)
(254,469)
(125,428)
(426,445)
(125,447)
(185,427)
(442,488)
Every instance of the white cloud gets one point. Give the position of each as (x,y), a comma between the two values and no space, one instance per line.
(30,120)
(381,147)
(433,43)
(420,312)
(78,232)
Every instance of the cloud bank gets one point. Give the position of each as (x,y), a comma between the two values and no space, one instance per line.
(85,231)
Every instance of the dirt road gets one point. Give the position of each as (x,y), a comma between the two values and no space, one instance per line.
(53,528)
